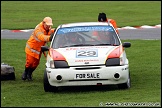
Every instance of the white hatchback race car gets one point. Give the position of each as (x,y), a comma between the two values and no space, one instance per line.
(84,54)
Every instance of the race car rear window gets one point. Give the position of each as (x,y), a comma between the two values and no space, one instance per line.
(84,29)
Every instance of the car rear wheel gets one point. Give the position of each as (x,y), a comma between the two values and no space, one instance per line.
(47,86)
(126,85)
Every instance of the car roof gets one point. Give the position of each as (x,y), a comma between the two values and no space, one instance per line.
(83,24)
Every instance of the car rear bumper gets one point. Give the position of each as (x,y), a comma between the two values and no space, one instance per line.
(93,75)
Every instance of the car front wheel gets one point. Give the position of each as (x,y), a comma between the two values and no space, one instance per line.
(125,85)
(47,86)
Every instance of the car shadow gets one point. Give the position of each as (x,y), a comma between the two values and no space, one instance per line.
(73,89)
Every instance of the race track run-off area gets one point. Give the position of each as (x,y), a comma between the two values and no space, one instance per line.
(122,28)
(144,32)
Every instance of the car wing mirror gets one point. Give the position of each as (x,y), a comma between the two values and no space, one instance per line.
(44,48)
(126,44)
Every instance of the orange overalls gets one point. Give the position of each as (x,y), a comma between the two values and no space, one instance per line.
(113,22)
(114,25)
(38,38)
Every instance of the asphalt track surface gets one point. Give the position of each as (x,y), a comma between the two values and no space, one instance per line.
(145,33)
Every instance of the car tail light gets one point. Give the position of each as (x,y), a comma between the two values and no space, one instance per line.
(55,55)
(61,64)
(58,60)
(113,62)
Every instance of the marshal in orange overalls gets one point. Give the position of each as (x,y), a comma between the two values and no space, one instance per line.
(102,18)
(39,37)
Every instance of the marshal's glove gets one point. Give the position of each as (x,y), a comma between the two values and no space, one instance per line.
(50,39)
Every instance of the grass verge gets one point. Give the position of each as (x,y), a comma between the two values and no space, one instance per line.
(27,14)
(144,59)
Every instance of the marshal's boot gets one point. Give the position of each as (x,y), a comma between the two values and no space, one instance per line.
(29,75)
(24,75)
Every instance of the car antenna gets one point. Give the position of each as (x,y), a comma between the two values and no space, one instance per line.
(61,26)
(108,21)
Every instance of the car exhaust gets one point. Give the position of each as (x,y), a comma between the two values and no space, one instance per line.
(59,78)
(117,76)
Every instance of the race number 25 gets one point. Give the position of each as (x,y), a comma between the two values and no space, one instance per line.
(87,53)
